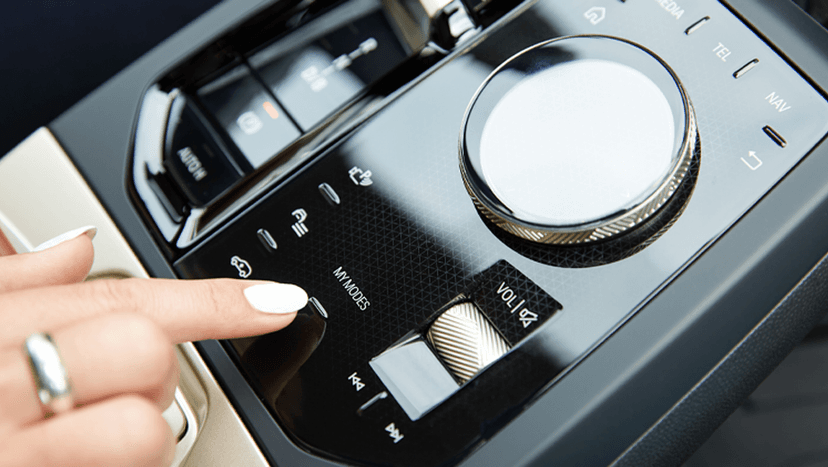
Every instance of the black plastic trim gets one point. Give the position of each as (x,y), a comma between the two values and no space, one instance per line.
(694,418)
(794,34)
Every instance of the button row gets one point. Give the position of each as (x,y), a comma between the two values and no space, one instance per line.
(360,177)
(299,226)
(722,52)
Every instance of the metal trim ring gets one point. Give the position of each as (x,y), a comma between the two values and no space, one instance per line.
(52,383)
(601,229)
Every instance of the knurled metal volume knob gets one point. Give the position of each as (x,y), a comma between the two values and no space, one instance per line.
(466,341)
(577,140)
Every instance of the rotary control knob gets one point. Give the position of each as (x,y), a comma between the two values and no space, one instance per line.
(578,140)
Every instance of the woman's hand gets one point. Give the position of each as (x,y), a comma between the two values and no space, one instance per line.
(115,339)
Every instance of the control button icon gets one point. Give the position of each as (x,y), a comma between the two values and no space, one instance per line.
(242,266)
(356,381)
(360,177)
(394,433)
(192,162)
(299,228)
(197,164)
(527,317)
(753,162)
(312,76)
(249,123)
(596,14)
(317,79)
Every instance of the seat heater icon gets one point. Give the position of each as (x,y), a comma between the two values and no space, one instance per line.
(299,228)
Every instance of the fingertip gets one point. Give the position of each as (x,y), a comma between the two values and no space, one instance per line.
(276,298)
(65,262)
(89,231)
(72,258)
(203,309)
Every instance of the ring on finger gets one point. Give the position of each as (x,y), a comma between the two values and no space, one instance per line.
(51,379)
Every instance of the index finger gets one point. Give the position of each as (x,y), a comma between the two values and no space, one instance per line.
(187,310)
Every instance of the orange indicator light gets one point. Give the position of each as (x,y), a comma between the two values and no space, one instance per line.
(271,110)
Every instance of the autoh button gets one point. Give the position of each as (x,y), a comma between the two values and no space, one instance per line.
(194,157)
(253,119)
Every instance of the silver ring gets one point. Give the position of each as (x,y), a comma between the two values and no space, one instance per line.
(51,379)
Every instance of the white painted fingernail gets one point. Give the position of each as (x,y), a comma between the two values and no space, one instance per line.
(89,230)
(276,298)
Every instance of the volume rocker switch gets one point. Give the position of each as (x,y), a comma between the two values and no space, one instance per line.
(194,157)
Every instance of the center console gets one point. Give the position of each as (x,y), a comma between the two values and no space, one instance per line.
(529,230)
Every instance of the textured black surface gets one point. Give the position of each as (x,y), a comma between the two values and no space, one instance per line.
(403,277)
(693,418)
(784,420)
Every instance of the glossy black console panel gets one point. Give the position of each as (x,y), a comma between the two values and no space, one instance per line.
(562,421)
(411,240)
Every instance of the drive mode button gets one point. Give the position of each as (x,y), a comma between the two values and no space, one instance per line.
(514,304)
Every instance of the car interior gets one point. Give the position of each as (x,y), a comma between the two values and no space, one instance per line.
(537,232)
